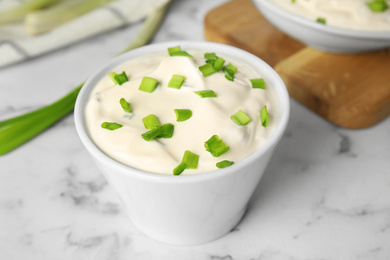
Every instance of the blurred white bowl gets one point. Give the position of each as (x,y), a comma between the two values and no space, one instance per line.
(320,36)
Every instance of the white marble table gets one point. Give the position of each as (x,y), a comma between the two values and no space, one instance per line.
(325,194)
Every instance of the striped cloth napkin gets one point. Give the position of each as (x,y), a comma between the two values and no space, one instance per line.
(16,45)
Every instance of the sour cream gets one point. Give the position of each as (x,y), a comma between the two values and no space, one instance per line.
(210,116)
(348,14)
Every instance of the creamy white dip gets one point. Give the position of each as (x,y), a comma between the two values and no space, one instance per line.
(210,116)
(349,14)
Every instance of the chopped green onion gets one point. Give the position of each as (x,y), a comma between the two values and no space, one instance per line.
(176,81)
(378,6)
(189,161)
(207,69)
(206,93)
(240,118)
(179,169)
(118,79)
(173,50)
(210,57)
(181,53)
(230,71)
(218,64)
(148,84)
(264,116)
(182,114)
(321,20)
(216,146)
(161,131)
(110,125)
(125,105)
(151,122)
(151,134)
(224,164)
(166,131)
(258,83)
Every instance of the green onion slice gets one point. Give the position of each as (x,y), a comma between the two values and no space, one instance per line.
(321,20)
(151,134)
(179,169)
(189,161)
(224,164)
(216,146)
(206,93)
(207,70)
(258,83)
(148,84)
(173,50)
(111,125)
(230,70)
(118,79)
(166,131)
(218,64)
(181,53)
(264,116)
(151,121)
(125,105)
(182,114)
(378,6)
(176,81)
(210,57)
(240,118)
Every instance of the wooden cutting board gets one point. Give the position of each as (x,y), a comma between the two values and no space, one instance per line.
(349,90)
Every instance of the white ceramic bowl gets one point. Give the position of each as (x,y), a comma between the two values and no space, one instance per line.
(322,37)
(186,209)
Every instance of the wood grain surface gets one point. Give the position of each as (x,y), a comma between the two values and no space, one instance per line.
(349,90)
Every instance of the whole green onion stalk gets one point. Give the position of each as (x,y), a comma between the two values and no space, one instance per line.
(18,130)
(18,12)
(47,19)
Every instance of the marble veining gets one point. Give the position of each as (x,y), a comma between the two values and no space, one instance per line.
(324,196)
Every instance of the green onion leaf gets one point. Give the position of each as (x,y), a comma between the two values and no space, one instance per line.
(258,83)
(148,84)
(151,122)
(321,20)
(111,125)
(378,6)
(173,50)
(118,79)
(206,93)
(216,146)
(181,53)
(182,114)
(264,116)
(176,81)
(179,169)
(230,70)
(240,118)
(207,69)
(224,164)
(166,131)
(125,105)
(218,64)
(151,134)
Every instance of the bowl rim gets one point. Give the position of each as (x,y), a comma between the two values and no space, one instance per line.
(280,90)
(381,35)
